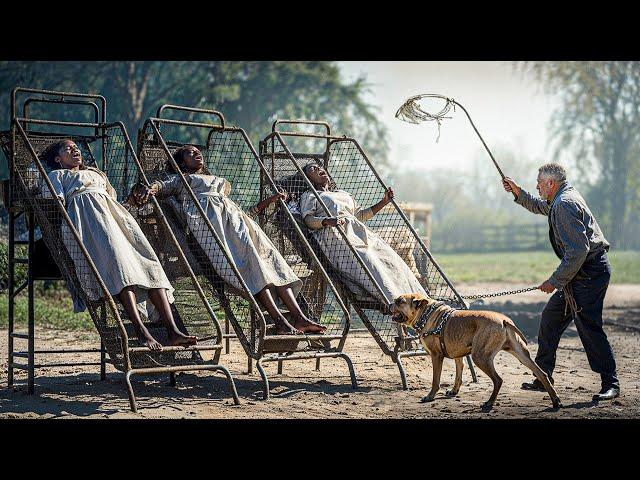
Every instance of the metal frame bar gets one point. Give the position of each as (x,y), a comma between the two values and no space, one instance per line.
(331,139)
(29,283)
(302,356)
(17,128)
(156,123)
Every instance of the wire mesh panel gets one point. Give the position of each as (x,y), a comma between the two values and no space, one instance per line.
(350,171)
(190,309)
(33,189)
(228,154)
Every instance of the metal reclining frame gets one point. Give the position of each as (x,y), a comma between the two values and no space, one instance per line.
(254,347)
(400,350)
(126,365)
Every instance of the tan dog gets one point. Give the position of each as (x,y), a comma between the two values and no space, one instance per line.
(479,333)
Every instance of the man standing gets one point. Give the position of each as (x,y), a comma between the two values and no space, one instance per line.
(583,276)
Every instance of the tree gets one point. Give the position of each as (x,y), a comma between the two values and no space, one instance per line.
(250,94)
(599,120)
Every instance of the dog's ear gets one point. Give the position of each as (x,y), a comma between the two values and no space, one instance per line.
(419,302)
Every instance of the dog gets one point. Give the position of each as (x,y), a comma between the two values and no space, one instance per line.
(479,333)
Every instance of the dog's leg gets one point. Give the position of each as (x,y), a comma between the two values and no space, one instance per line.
(436,363)
(484,361)
(456,385)
(521,352)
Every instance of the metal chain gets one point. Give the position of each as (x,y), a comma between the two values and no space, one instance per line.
(499,294)
(488,295)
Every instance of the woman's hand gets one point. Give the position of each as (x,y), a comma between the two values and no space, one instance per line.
(332,222)
(141,193)
(388,195)
(278,196)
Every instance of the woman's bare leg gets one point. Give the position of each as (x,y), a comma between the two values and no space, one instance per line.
(158,296)
(128,300)
(301,321)
(282,326)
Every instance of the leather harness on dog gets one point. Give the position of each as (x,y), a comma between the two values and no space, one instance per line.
(442,312)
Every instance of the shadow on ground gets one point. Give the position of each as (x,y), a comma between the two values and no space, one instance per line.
(61,395)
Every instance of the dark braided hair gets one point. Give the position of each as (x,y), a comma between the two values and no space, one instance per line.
(295,185)
(178,157)
(332,184)
(49,154)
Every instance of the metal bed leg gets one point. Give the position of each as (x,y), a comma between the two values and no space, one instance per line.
(11,298)
(172,379)
(132,396)
(31,332)
(216,356)
(473,370)
(265,380)
(352,372)
(249,365)
(103,362)
(317,364)
(232,383)
(403,375)
(280,367)
(227,340)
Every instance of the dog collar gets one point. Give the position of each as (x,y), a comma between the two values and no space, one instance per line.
(444,316)
(426,315)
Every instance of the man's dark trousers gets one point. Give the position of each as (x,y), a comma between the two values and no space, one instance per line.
(589,289)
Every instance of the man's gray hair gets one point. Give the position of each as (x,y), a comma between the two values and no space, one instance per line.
(553,170)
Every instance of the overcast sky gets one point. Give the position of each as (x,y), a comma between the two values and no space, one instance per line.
(508,109)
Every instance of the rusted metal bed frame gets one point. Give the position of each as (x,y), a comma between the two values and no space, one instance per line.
(28,179)
(349,167)
(229,153)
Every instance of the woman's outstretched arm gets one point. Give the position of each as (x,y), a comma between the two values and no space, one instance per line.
(366,214)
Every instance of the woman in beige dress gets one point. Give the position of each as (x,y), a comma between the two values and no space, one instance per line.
(392,274)
(121,253)
(259,263)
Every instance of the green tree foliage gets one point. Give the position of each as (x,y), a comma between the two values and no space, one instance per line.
(599,121)
(250,94)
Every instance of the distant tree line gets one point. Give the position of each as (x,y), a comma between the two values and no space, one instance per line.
(598,122)
(250,94)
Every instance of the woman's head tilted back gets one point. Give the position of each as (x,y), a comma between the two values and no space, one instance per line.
(318,176)
(189,160)
(295,185)
(62,154)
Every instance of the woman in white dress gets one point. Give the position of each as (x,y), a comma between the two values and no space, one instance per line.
(390,271)
(259,263)
(122,255)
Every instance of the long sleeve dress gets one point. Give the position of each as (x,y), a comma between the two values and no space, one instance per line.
(111,236)
(391,273)
(256,258)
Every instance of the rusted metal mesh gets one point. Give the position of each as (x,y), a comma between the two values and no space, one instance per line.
(31,191)
(227,153)
(349,170)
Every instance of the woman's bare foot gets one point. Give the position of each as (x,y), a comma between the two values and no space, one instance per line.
(148,341)
(284,328)
(308,326)
(177,338)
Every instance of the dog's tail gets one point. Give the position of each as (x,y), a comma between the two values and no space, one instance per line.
(511,325)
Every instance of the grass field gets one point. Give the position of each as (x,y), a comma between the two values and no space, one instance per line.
(526,267)
(53,308)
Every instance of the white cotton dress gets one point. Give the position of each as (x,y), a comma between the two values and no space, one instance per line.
(392,274)
(256,258)
(111,236)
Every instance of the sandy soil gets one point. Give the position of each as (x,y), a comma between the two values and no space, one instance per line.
(302,392)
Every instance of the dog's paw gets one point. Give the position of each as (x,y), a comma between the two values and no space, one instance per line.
(427,399)
(451,393)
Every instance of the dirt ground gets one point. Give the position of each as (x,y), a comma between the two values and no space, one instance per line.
(302,392)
